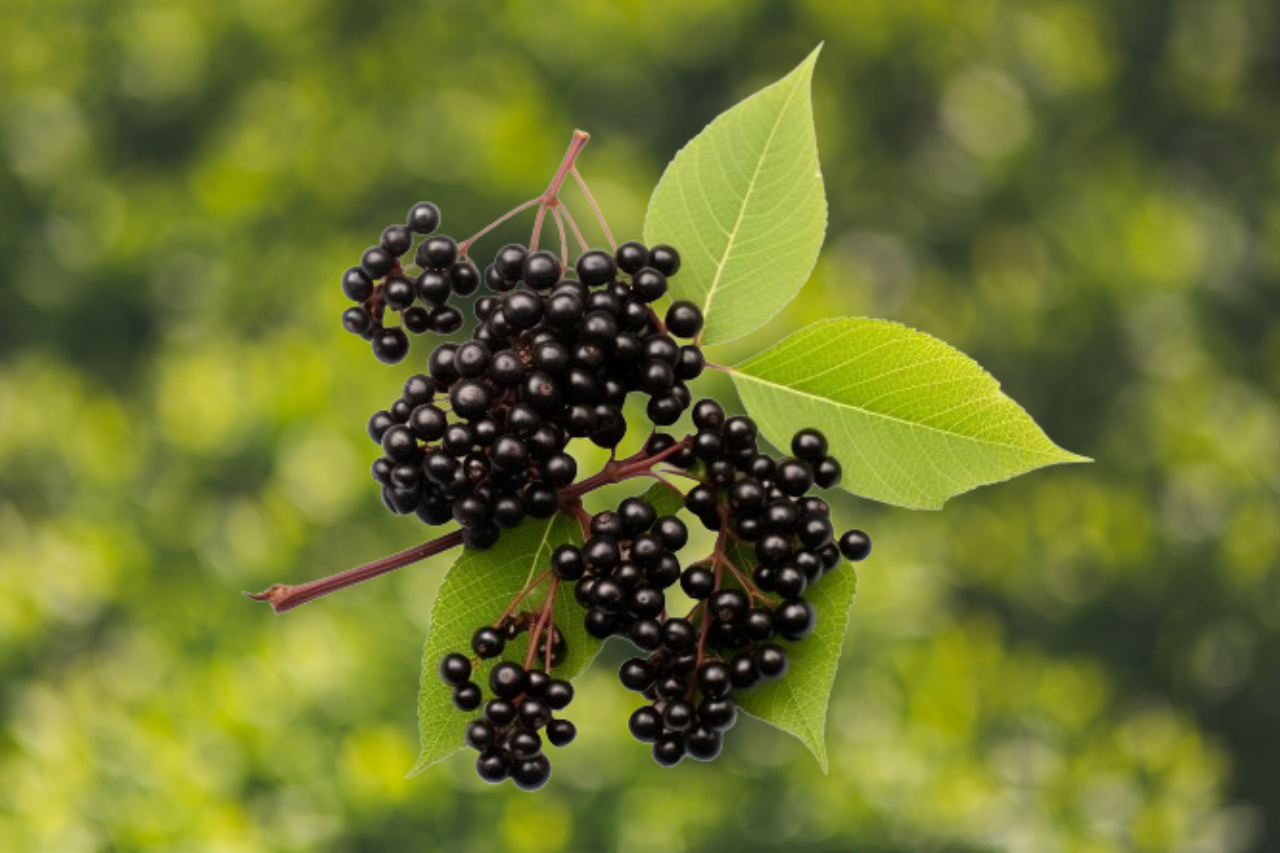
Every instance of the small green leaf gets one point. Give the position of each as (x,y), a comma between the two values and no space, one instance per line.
(665,499)
(744,204)
(477,589)
(912,420)
(798,702)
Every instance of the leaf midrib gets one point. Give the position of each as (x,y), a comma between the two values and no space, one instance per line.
(737,371)
(746,197)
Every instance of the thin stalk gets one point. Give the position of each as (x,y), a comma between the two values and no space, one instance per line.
(599,214)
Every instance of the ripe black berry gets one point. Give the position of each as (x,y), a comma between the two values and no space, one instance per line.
(424,217)
(377,262)
(645,724)
(356,320)
(455,669)
(507,680)
(493,766)
(357,285)
(561,732)
(596,268)
(649,284)
(488,642)
(793,477)
(669,749)
(541,270)
(465,278)
(684,319)
(771,660)
(396,239)
(632,256)
(437,253)
(532,774)
(467,696)
(398,293)
(827,473)
(794,620)
(855,545)
(446,320)
(390,346)
(665,260)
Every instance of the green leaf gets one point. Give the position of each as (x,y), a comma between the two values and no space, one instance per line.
(798,702)
(476,591)
(665,499)
(912,420)
(744,204)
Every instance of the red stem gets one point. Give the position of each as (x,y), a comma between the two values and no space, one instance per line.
(543,618)
(282,598)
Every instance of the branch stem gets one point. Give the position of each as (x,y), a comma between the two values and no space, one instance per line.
(282,598)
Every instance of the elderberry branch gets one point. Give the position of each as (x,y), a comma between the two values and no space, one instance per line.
(282,597)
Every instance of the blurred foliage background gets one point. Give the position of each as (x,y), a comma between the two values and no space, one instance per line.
(1080,194)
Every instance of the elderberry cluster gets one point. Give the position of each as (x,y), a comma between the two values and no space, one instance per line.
(728,642)
(523,703)
(379,283)
(480,439)
(624,568)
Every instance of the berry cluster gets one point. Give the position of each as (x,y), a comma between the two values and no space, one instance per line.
(727,642)
(524,703)
(550,360)
(481,438)
(624,568)
(380,283)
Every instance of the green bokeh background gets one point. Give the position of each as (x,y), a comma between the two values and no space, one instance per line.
(1081,195)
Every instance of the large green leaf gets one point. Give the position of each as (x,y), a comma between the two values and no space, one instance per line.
(912,420)
(477,589)
(797,703)
(744,204)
